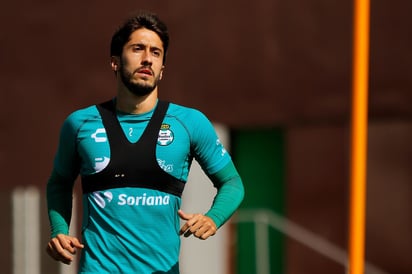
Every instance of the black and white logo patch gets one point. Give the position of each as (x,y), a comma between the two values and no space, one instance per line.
(166,135)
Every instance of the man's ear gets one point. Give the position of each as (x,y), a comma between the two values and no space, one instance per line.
(161,73)
(114,63)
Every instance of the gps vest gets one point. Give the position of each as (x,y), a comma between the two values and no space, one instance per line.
(132,164)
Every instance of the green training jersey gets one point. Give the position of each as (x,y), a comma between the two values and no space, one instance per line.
(135,229)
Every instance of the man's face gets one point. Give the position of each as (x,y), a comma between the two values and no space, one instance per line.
(141,63)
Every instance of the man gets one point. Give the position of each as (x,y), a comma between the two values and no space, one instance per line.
(133,154)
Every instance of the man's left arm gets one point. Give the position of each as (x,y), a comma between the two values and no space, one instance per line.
(218,165)
(230,193)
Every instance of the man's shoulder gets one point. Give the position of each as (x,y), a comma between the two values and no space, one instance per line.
(82,115)
(191,118)
(84,112)
(182,111)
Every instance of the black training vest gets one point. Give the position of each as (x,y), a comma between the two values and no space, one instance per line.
(132,164)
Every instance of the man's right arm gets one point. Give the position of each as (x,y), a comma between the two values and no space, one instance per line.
(59,203)
(66,166)
(59,194)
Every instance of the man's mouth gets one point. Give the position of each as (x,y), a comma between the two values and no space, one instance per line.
(145,71)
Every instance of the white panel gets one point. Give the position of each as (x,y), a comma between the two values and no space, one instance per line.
(26,231)
(18,231)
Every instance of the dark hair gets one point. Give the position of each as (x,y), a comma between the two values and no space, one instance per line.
(142,19)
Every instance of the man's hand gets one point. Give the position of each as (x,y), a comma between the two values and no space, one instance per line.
(197,225)
(60,248)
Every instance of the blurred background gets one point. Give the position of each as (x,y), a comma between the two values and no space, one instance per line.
(274,77)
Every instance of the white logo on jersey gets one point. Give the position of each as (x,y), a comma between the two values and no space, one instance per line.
(143,200)
(99,139)
(102,197)
(165,135)
(218,143)
(100,163)
(164,166)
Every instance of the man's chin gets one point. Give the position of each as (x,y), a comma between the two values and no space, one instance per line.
(141,90)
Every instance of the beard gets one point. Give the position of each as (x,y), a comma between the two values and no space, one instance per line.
(137,89)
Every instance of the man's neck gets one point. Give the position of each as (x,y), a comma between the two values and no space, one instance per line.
(129,103)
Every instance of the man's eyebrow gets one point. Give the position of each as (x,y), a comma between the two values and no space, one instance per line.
(144,45)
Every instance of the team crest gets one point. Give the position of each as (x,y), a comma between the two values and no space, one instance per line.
(165,135)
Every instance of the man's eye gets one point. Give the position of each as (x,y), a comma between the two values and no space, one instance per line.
(156,53)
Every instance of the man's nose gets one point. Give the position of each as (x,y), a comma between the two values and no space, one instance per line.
(147,58)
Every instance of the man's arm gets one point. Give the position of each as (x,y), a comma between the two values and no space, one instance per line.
(59,195)
(230,193)
(218,165)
